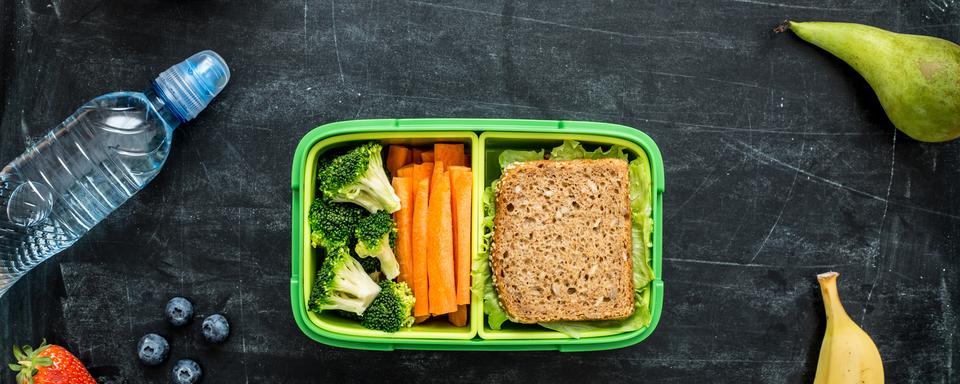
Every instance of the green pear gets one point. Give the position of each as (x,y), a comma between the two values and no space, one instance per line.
(917,78)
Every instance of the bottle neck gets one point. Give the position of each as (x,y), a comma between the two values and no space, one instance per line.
(163,107)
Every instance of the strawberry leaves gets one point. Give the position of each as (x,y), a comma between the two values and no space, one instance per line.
(29,361)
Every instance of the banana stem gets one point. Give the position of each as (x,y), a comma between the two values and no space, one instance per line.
(831,297)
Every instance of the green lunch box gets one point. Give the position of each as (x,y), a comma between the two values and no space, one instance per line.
(484,140)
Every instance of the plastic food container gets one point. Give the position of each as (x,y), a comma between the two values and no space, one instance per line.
(484,140)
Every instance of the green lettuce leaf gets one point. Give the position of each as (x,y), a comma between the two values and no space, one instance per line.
(572,150)
(481,262)
(511,156)
(641,210)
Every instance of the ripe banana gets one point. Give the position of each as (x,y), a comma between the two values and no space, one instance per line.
(847,355)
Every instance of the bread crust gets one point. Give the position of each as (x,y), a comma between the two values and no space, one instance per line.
(562,241)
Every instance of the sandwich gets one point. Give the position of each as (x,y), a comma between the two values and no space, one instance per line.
(562,246)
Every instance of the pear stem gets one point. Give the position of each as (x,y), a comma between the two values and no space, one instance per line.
(831,297)
(783,27)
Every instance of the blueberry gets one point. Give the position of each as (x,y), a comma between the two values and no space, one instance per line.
(179,311)
(216,328)
(153,349)
(186,371)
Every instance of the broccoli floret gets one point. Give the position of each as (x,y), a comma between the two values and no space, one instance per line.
(375,237)
(342,284)
(391,310)
(358,177)
(333,224)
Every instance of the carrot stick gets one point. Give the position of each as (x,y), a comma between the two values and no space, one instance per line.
(449,154)
(406,171)
(435,175)
(448,282)
(427,156)
(416,155)
(461,181)
(397,157)
(403,186)
(422,171)
(459,318)
(420,286)
(440,273)
(432,235)
(420,319)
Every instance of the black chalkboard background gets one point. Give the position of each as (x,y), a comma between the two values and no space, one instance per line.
(780,164)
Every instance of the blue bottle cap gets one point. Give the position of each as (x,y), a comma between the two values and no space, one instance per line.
(190,85)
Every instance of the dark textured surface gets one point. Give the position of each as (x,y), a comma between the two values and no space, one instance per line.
(779,164)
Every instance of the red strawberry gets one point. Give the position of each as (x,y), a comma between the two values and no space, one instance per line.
(49,364)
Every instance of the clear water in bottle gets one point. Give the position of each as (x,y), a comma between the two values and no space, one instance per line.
(94,161)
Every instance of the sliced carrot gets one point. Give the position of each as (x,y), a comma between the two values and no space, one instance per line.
(421,178)
(448,272)
(435,175)
(459,318)
(415,153)
(420,319)
(449,154)
(406,171)
(403,186)
(461,182)
(427,156)
(440,271)
(422,171)
(397,156)
(420,286)
(432,236)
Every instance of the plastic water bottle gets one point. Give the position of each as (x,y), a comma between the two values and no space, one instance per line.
(94,161)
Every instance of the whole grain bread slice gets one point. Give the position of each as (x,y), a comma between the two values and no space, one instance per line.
(561,248)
